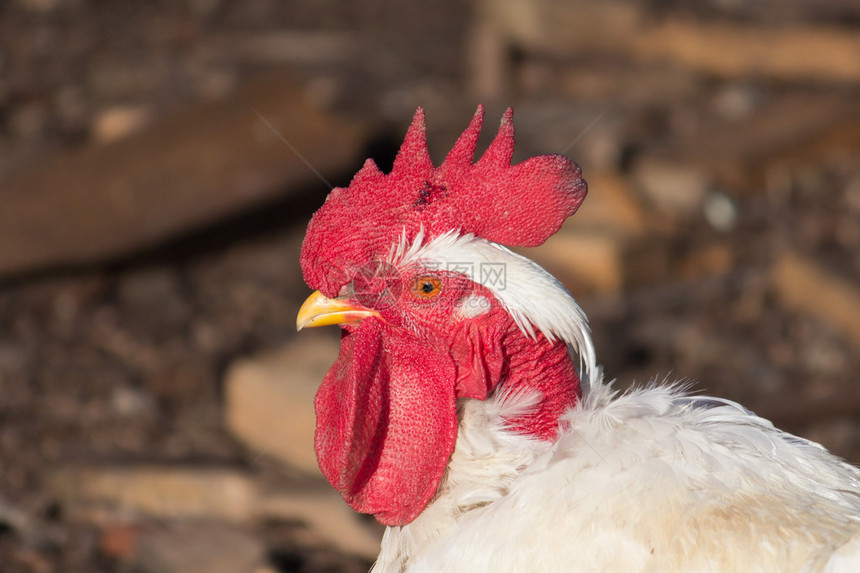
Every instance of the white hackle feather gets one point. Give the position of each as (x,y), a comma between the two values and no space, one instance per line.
(536,300)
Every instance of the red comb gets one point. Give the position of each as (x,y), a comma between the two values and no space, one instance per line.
(514,205)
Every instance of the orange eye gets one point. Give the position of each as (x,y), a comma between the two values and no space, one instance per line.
(426,287)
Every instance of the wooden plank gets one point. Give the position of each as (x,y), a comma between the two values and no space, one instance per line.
(188,171)
(790,130)
(724,49)
(734,51)
(803,286)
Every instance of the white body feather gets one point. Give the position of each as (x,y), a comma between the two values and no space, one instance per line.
(651,481)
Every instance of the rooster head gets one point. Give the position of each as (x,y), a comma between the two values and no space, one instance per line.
(434,308)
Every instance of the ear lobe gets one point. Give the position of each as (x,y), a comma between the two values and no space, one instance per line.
(479,357)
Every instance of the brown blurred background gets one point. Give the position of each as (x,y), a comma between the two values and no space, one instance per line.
(159,161)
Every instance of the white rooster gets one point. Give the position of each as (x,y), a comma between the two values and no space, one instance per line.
(466,410)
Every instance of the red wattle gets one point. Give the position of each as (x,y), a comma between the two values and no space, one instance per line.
(386,422)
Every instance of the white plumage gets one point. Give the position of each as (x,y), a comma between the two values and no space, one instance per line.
(650,481)
(653,480)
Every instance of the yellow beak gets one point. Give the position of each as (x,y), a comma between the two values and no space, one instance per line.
(318,310)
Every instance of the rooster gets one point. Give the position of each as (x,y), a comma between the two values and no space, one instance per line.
(467,413)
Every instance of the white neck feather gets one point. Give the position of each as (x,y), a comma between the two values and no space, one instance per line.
(486,460)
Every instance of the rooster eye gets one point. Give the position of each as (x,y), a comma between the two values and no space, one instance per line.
(426,287)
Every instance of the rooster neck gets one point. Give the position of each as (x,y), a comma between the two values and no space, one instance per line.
(498,438)
(487,459)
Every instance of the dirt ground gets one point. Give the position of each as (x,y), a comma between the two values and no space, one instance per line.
(746,289)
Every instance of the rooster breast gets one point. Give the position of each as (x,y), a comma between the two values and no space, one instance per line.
(653,480)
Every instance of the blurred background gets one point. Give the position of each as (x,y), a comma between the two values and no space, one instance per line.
(159,162)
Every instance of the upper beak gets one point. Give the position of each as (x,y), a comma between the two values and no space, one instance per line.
(318,310)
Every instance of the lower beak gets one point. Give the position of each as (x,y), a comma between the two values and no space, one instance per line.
(318,310)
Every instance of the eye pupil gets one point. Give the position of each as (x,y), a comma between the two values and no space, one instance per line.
(426,287)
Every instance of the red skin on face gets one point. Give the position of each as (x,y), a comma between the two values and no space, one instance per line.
(386,411)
